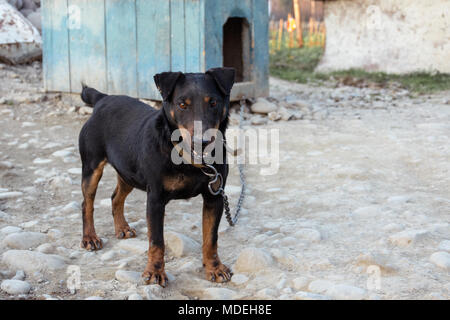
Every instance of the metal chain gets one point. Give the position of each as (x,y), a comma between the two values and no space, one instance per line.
(232,220)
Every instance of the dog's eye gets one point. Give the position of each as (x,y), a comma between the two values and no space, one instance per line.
(182,105)
(213,103)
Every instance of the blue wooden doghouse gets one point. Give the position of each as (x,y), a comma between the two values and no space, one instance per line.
(117,46)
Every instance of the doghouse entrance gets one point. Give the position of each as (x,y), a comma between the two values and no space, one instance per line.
(236,47)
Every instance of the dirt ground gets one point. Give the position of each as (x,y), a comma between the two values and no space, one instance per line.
(359,208)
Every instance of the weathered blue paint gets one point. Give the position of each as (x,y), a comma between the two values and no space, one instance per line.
(88,46)
(121,51)
(118,45)
(55,46)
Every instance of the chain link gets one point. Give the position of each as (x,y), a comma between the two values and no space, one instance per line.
(232,220)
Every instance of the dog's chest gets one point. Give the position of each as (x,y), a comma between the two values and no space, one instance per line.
(178,183)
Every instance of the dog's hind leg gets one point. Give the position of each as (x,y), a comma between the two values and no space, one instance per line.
(118,197)
(90,179)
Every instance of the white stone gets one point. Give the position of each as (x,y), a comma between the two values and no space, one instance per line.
(134,245)
(45,248)
(300,283)
(407,237)
(10,195)
(263,106)
(15,287)
(105,202)
(154,292)
(76,171)
(62,153)
(109,255)
(135,296)
(41,161)
(180,245)
(20,275)
(218,294)
(308,234)
(303,295)
(10,229)
(441,259)
(346,292)
(24,240)
(253,260)
(128,276)
(266,293)
(320,286)
(444,245)
(239,279)
(31,261)
(72,206)
(55,234)
(284,257)
(399,199)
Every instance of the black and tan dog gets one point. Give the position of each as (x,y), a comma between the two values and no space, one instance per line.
(135,139)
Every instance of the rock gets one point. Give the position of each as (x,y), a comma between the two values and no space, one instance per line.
(24,240)
(20,275)
(263,106)
(15,287)
(300,283)
(218,294)
(31,261)
(441,259)
(72,206)
(285,114)
(180,245)
(35,19)
(135,296)
(346,292)
(308,234)
(253,260)
(109,255)
(55,234)
(266,293)
(62,153)
(258,120)
(444,245)
(399,199)
(134,245)
(45,248)
(10,229)
(42,161)
(85,110)
(284,257)
(128,276)
(10,195)
(303,295)
(239,279)
(154,292)
(274,116)
(320,286)
(407,237)
(76,171)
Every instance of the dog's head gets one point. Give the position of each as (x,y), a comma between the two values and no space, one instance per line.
(196,103)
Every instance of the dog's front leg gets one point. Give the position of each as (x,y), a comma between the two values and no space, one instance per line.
(212,212)
(154,271)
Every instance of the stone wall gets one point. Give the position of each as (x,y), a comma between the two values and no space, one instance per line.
(383,35)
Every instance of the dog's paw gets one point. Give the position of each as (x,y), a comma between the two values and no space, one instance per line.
(125,233)
(155,277)
(91,243)
(219,273)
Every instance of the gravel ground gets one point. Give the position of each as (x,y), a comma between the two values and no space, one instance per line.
(359,207)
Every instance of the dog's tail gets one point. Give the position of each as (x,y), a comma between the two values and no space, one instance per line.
(90,96)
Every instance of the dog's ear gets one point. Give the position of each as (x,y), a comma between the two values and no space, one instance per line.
(165,82)
(224,78)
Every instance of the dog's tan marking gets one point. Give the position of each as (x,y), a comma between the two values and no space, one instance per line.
(214,269)
(174,183)
(89,188)
(188,101)
(172,114)
(207,99)
(121,226)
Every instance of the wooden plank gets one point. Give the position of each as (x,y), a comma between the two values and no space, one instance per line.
(153,44)
(193,27)
(88,45)
(55,46)
(121,47)
(178,36)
